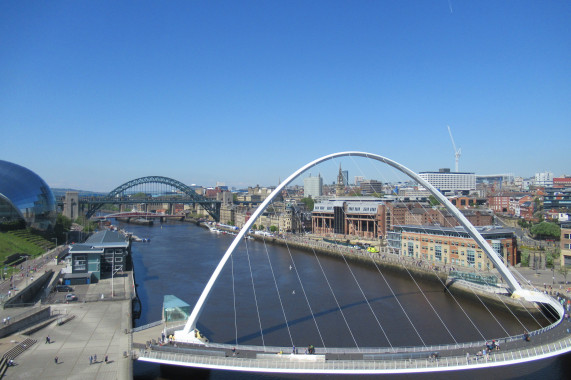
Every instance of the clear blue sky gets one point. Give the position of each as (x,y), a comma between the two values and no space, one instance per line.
(96,93)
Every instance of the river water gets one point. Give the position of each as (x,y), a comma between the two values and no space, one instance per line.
(325,302)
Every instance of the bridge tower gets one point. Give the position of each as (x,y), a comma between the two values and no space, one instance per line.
(71,205)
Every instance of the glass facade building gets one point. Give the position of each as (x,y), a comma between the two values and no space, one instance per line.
(24,196)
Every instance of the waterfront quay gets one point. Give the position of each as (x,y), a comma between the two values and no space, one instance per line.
(438,273)
(96,324)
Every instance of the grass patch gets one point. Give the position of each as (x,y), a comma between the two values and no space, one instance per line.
(22,241)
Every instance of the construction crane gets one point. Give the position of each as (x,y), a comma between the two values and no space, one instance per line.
(457,152)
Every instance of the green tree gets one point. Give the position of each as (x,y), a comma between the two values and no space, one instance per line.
(546,230)
(433,201)
(309,203)
(524,258)
(273,228)
(564,270)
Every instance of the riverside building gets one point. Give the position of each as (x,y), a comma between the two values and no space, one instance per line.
(102,254)
(453,246)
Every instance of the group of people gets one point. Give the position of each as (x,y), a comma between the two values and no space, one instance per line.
(493,346)
(93,359)
(485,353)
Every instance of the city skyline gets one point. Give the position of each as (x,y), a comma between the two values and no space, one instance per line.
(95,94)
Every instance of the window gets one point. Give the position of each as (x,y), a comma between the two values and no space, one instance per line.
(411,249)
(438,253)
(470,257)
(80,263)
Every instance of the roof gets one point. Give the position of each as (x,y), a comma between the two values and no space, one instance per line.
(485,231)
(106,237)
(83,248)
(170,302)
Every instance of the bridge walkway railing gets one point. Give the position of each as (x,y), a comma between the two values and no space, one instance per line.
(284,363)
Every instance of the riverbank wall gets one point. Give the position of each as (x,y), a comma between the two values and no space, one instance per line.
(385,260)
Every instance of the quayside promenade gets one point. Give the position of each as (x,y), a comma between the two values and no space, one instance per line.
(77,330)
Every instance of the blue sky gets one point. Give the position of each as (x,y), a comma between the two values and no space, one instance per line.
(96,93)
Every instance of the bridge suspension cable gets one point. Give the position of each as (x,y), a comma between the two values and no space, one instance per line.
(255,297)
(467,226)
(278,292)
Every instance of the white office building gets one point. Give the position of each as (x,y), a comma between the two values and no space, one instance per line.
(312,186)
(451,182)
(544,179)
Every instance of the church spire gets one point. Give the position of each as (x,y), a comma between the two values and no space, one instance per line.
(340,188)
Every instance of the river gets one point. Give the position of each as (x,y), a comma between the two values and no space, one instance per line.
(181,257)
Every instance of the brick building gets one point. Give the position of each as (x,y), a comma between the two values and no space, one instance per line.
(453,246)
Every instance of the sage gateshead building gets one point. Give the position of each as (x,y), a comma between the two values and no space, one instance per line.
(25,199)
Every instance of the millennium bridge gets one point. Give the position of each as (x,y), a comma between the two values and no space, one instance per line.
(187,347)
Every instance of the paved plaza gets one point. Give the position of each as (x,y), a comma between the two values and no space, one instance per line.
(97,328)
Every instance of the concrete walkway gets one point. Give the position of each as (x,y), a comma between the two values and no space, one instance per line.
(98,328)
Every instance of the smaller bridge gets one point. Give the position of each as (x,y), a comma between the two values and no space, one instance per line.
(139,214)
(155,190)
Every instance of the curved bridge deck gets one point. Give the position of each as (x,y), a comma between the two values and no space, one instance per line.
(514,350)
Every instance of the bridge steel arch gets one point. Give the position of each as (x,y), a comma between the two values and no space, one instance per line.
(187,333)
(212,207)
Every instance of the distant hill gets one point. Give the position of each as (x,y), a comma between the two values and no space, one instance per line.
(82,193)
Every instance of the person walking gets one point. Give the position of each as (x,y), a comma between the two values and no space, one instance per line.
(106,359)
(56,359)
(90,359)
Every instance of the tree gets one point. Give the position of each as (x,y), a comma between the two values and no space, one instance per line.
(524,258)
(273,228)
(309,203)
(546,230)
(433,201)
(564,270)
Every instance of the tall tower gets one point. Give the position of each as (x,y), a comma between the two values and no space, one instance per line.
(340,188)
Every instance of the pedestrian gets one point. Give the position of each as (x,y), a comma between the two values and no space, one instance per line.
(55,359)
(47,340)
(90,359)
(95,358)
(106,359)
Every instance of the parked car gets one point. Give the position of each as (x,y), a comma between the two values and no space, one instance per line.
(70,297)
(64,288)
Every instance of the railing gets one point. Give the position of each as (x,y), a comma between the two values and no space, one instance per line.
(147,326)
(362,366)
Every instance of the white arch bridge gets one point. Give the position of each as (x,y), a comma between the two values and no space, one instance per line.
(191,350)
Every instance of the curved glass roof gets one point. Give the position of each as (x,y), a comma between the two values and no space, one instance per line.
(24,195)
